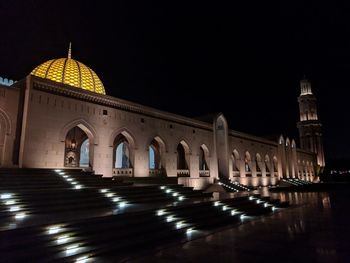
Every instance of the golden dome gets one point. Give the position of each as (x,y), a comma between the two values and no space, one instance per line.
(71,72)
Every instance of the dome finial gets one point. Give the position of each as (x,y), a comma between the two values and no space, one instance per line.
(70,50)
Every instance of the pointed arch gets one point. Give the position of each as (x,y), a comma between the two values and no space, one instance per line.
(281,140)
(157,149)
(186,146)
(220,117)
(267,163)
(205,149)
(126,133)
(159,140)
(275,164)
(293,144)
(124,146)
(82,124)
(7,121)
(221,143)
(183,155)
(235,161)
(204,157)
(5,130)
(78,145)
(258,162)
(247,162)
(287,142)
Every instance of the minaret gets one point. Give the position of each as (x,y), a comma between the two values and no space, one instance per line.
(309,126)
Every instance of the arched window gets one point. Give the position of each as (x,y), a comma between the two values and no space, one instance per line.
(152,158)
(122,154)
(275,164)
(181,157)
(77,148)
(84,154)
(258,163)
(247,163)
(267,163)
(235,160)
(202,160)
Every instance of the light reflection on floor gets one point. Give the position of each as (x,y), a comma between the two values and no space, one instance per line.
(315,229)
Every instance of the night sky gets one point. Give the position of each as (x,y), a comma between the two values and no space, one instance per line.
(242,58)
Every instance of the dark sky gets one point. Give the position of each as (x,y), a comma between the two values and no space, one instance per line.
(242,58)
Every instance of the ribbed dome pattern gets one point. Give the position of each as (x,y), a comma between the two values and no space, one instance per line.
(70,72)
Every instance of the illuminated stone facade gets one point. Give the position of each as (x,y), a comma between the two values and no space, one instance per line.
(45,123)
(309,125)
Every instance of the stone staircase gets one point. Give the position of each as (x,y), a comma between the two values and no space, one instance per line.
(230,186)
(296,182)
(92,219)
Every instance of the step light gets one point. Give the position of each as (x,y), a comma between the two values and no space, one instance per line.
(14,208)
(109,194)
(104,190)
(72,249)
(116,199)
(122,204)
(5,196)
(20,216)
(189,230)
(161,212)
(10,202)
(54,230)
(179,224)
(234,212)
(170,218)
(62,239)
(82,259)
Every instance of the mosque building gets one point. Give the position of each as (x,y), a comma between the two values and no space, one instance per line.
(59,116)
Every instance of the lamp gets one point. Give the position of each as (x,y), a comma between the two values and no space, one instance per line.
(73,143)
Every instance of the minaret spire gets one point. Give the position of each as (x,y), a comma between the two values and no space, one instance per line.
(70,50)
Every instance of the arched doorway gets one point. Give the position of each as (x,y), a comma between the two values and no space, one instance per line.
(267,165)
(156,159)
(5,132)
(122,156)
(78,149)
(183,152)
(247,164)
(275,166)
(258,165)
(235,163)
(203,161)
(222,146)
(84,154)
